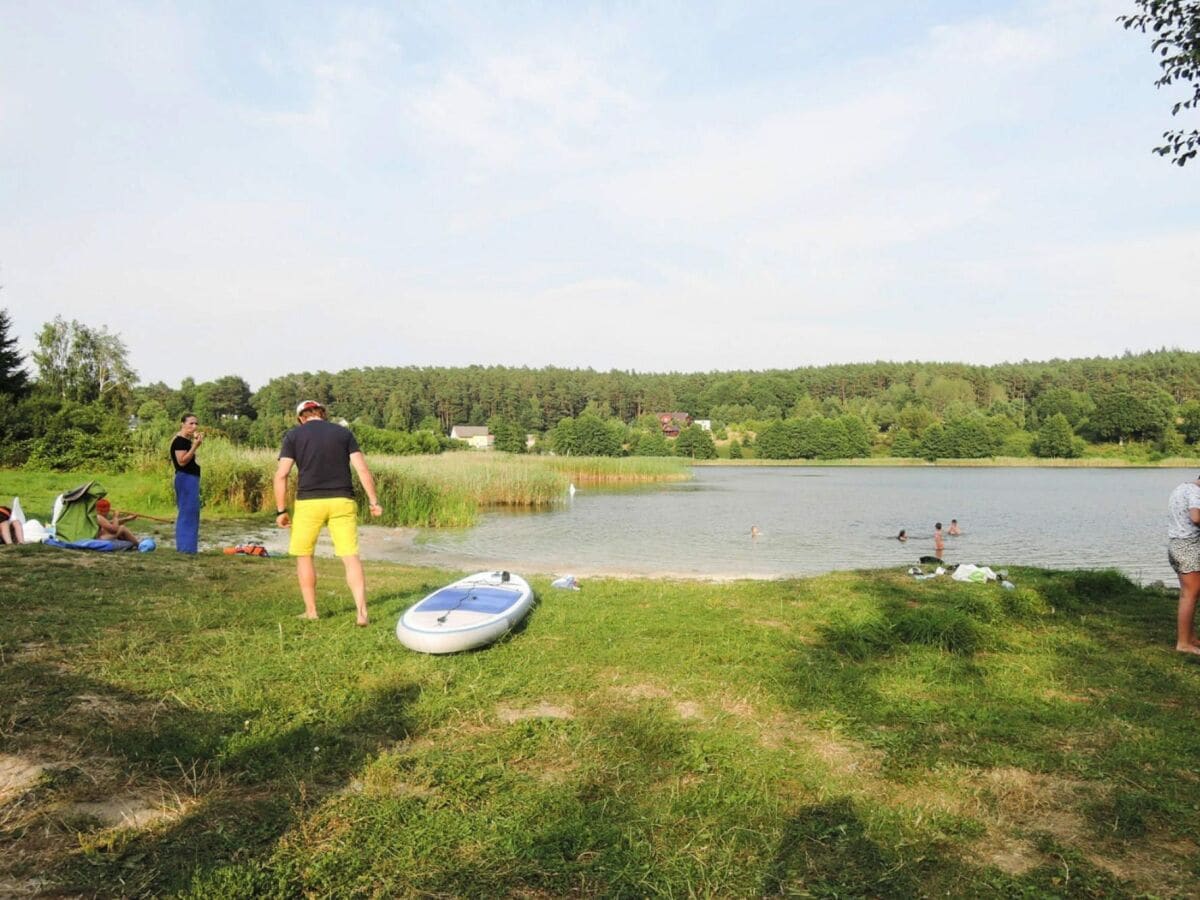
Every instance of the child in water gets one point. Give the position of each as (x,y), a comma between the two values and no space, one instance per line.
(902,536)
(953,529)
(939,543)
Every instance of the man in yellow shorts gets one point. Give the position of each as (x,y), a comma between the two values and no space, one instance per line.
(324,454)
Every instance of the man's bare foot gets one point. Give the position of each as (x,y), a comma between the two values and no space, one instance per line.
(1188,648)
(363,623)
(305,615)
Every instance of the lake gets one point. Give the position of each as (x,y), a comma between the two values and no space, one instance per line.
(818,519)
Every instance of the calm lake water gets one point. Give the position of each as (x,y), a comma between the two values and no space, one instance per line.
(812,520)
(821,519)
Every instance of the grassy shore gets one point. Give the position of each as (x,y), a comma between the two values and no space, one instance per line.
(433,491)
(170,728)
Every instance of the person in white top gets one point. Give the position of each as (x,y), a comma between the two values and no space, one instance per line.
(1183,552)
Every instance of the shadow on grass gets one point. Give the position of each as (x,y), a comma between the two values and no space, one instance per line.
(242,791)
(825,852)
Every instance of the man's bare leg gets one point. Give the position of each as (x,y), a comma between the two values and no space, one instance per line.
(306,572)
(357,583)
(1189,589)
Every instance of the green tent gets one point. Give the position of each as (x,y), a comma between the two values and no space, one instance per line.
(74,517)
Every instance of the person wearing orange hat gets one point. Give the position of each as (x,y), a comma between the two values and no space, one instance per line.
(324,453)
(112,524)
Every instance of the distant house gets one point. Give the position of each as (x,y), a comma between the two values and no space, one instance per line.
(705,424)
(476,435)
(673,422)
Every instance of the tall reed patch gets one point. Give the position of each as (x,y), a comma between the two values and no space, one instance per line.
(235,479)
(409,498)
(430,491)
(491,479)
(619,470)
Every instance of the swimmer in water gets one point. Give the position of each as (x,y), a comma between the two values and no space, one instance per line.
(953,529)
(939,544)
(754,532)
(902,536)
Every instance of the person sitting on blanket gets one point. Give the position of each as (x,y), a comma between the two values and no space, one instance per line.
(112,523)
(10,529)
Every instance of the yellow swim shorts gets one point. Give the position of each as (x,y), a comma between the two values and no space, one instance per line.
(339,513)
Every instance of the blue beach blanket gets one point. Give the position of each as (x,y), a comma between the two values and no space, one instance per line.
(93,544)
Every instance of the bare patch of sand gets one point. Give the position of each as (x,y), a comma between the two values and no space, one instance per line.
(539,711)
(32,887)
(129,811)
(17,775)
(643,691)
(689,710)
(1008,854)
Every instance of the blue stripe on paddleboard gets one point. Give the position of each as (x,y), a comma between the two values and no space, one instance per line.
(475,599)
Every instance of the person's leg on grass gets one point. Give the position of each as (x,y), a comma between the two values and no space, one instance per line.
(356,580)
(306,574)
(307,521)
(1189,590)
(343,529)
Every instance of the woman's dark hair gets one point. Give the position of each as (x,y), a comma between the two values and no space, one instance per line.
(938,525)
(187,416)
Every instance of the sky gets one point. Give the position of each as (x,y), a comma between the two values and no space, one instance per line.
(263,188)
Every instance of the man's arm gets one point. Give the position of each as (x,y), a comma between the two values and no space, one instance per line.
(359,462)
(280,484)
(1195,515)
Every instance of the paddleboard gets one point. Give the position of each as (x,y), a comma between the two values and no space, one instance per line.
(472,612)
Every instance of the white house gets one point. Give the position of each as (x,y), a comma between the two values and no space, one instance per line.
(475,435)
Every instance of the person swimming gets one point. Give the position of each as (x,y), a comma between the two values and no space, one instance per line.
(754,532)
(938,543)
(953,529)
(902,536)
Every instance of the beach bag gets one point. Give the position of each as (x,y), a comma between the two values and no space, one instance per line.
(74,517)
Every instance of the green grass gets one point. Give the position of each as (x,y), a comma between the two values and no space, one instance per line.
(857,734)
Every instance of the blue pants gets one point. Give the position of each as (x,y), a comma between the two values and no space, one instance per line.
(187,522)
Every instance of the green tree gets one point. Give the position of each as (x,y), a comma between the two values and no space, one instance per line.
(904,445)
(651,443)
(510,437)
(1056,439)
(80,363)
(1075,405)
(1176,43)
(14,380)
(1190,426)
(935,444)
(968,438)
(735,449)
(1140,412)
(695,442)
(226,398)
(595,436)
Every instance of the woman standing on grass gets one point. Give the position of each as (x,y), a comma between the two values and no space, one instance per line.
(187,484)
(1183,552)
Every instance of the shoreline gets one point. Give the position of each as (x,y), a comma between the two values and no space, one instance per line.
(990,462)
(398,546)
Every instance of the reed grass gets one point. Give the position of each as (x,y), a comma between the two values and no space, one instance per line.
(620,470)
(446,490)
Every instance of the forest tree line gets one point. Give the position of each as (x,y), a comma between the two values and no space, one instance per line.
(77,402)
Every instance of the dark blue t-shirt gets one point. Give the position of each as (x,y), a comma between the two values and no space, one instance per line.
(322,454)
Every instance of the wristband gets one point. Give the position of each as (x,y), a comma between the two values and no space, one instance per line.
(280,512)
